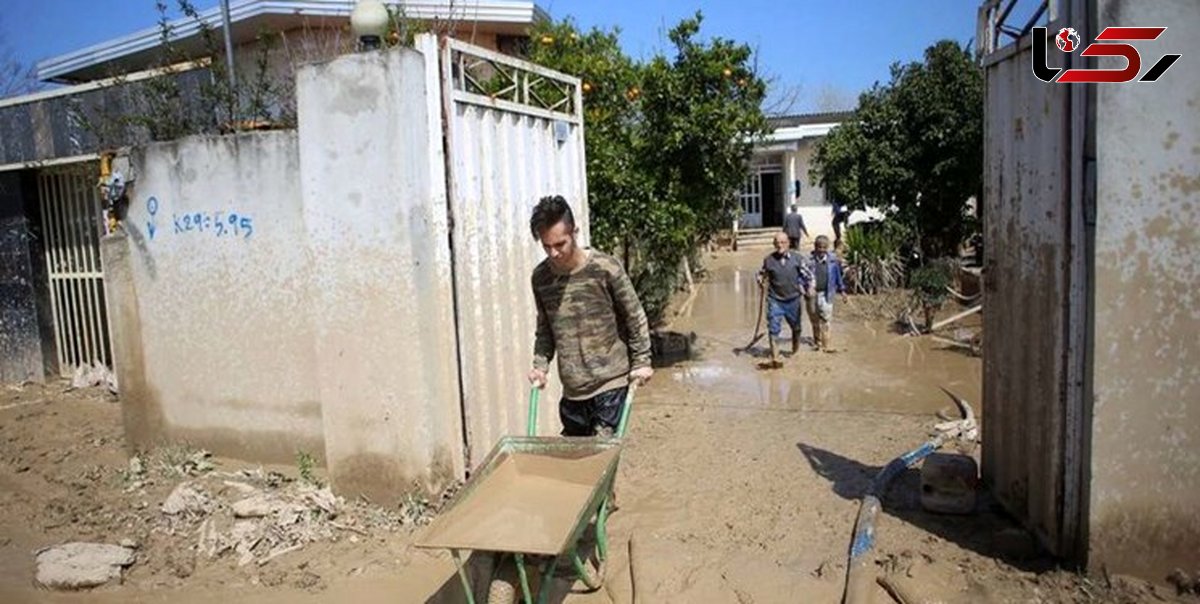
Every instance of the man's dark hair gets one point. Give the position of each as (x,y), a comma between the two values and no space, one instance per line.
(550,211)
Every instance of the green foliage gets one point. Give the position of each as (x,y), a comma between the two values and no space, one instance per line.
(305,464)
(929,283)
(668,142)
(158,108)
(914,148)
(872,258)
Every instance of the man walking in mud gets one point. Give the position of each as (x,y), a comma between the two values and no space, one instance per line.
(787,280)
(827,283)
(589,315)
(793,225)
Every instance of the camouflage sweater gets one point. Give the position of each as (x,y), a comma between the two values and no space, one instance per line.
(594,322)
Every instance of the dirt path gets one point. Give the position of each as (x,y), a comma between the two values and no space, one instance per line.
(737,485)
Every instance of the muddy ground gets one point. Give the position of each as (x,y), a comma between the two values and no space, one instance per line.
(737,484)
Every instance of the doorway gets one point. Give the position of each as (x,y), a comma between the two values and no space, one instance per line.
(771,208)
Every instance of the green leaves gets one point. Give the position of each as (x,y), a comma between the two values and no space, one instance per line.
(668,142)
(914,148)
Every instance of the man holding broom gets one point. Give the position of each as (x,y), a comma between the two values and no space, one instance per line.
(788,280)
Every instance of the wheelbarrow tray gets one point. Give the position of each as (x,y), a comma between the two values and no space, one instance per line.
(532,495)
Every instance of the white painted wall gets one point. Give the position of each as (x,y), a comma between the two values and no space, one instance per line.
(373,181)
(323,316)
(1145,466)
(220,273)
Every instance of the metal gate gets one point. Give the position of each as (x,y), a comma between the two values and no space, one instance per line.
(1035,290)
(514,134)
(71,227)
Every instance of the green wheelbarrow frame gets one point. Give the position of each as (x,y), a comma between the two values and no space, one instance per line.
(597,506)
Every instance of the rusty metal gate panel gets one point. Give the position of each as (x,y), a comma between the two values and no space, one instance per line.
(72,226)
(1031,447)
(514,134)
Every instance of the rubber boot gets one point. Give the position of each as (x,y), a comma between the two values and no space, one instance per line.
(795,341)
(774,353)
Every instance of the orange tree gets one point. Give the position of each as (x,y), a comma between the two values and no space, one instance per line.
(668,141)
(914,148)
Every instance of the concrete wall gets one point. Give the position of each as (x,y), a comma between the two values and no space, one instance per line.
(373,179)
(209,296)
(812,194)
(323,317)
(1145,467)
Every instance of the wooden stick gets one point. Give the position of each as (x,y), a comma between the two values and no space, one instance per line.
(901,592)
(352,529)
(949,342)
(962,315)
(277,553)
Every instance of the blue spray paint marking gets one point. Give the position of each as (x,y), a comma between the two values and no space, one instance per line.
(217,223)
(152,209)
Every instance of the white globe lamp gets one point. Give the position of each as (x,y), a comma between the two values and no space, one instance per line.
(369,22)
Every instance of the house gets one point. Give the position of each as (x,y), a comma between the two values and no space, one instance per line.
(308,27)
(51,219)
(779,177)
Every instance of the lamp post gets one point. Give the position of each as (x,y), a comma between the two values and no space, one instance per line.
(369,22)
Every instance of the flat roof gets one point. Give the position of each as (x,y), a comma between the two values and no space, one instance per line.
(136,51)
(800,119)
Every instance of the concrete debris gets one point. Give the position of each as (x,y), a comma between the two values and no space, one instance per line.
(241,487)
(196,463)
(81,565)
(96,374)
(264,526)
(322,499)
(209,543)
(136,466)
(256,506)
(1183,583)
(186,499)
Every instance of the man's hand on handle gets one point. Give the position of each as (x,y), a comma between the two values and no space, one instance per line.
(641,375)
(537,378)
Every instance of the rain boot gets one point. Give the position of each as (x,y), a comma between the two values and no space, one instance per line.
(774,353)
(795,341)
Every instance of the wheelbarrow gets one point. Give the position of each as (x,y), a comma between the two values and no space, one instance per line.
(533,500)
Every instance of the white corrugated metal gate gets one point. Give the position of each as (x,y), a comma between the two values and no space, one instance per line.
(515,134)
(72,226)
(1034,286)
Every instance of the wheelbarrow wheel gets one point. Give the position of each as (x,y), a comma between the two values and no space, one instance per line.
(502,591)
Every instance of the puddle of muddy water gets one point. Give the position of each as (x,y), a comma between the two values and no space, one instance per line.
(876,371)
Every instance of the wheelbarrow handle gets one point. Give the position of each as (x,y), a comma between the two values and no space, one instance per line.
(531,426)
(622,425)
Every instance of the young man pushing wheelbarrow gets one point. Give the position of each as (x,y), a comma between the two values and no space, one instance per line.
(589,315)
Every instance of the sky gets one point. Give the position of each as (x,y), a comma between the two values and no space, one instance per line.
(817,51)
